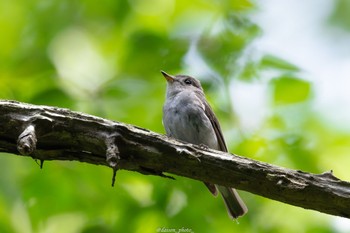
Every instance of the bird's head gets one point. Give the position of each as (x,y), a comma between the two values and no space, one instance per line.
(179,83)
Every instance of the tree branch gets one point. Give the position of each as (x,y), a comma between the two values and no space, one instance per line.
(48,133)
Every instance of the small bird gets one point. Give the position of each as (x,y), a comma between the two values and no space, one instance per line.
(187,116)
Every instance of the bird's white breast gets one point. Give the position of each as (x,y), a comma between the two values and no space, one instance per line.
(184,118)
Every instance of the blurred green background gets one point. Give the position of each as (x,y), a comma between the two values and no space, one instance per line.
(275,73)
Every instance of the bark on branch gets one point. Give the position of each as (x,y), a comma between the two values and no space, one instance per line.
(48,133)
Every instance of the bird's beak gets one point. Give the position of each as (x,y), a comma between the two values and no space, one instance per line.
(168,77)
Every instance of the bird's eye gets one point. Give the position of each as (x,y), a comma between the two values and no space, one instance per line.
(188,81)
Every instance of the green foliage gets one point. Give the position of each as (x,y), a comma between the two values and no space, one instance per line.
(340,15)
(272,62)
(236,31)
(104,58)
(290,90)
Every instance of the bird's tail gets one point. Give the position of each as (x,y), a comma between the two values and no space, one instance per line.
(234,204)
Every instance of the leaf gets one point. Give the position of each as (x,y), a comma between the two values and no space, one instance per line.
(290,90)
(249,72)
(221,50)
(271,61)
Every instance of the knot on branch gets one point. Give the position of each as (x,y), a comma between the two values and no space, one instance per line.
(284,181)
(26,142)
(112,156)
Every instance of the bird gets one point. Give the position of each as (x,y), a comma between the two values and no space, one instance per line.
(187,116)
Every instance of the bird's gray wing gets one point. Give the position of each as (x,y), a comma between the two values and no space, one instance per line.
(220,138)
(233,202)
(215,123)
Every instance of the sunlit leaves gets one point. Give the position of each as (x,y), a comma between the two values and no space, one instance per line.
(289,90)
(272,62)
(249,71)
(214,51)
(223,43)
